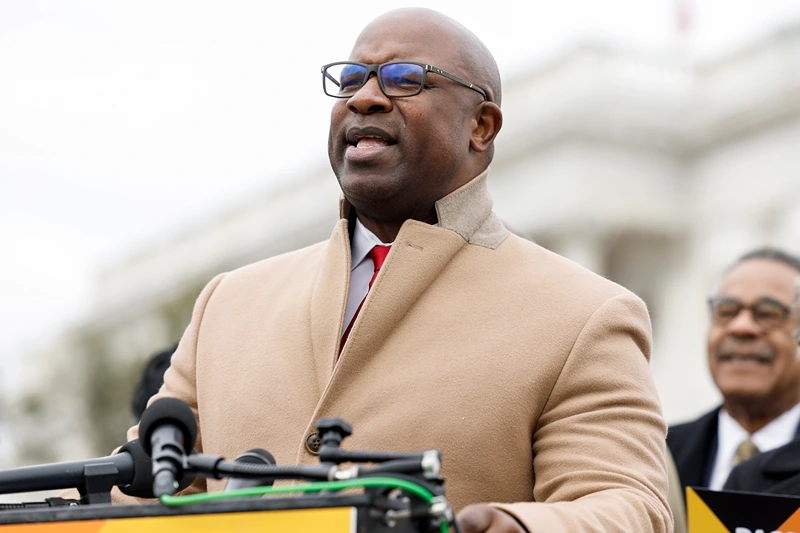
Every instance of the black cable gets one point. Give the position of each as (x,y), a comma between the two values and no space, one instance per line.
(337,455)
(47,502)
(311,473)
(12,506)
(399,466)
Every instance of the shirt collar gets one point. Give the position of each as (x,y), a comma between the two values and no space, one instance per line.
(777,433)
(466,211)
(731,433)
(363,241)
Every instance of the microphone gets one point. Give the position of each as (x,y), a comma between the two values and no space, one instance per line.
(254,456)
(168,431)
(127,467)
(141,484)
(131,468)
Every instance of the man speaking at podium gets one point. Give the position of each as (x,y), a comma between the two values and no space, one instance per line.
(425,324)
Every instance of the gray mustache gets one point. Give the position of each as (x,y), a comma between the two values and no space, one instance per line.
(732,346)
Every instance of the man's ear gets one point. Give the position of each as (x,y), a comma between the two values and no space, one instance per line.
(486,124)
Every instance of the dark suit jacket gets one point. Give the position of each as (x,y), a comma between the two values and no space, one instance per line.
(776,471)
(694,448)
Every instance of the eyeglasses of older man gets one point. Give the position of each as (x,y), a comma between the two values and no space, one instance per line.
(397,79)
(766,312)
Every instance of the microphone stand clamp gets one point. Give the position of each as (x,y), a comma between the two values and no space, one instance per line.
(332,432)
(99,480)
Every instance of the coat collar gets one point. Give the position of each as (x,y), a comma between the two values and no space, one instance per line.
(466,211)
(784,461)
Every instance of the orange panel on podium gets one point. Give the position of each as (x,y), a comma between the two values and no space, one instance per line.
(332,520)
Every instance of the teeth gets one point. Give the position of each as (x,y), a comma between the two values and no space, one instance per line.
(759,358)
(370,141)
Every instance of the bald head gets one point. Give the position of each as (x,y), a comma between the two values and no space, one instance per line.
(472,58)
(395,156)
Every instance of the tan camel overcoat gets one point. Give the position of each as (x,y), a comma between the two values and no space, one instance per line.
(527,371)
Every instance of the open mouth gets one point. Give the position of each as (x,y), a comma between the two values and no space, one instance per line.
(367,143)
(746,358)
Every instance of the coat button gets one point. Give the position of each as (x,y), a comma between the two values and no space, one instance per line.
(313,443)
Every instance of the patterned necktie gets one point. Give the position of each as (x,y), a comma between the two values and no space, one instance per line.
(378,255)
(745,451)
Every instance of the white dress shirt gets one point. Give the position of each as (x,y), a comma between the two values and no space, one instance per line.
(730,435)
(362,269)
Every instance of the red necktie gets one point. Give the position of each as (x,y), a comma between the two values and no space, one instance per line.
(378,255)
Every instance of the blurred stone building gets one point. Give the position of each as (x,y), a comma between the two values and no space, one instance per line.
(650,171)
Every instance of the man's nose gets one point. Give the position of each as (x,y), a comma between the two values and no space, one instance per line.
(744,325)
(369,98)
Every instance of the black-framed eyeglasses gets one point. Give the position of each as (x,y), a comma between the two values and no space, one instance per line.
(397,79)
(766,312)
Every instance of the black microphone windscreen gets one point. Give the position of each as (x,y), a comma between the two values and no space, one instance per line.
(254,456)
(142,484)
(172,411)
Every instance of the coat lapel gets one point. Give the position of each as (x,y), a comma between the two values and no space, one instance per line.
(784,462)
(418,256)
(696,451)
(328,302)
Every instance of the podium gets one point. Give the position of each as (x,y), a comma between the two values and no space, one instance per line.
(710,511)
(402,493)
(345,513)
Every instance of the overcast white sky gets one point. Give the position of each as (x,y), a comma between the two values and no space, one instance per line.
(122,122)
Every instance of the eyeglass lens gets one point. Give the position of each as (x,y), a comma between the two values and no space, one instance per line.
(396,79)
(765,312)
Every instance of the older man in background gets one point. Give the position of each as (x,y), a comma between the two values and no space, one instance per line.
(776,471)
(753,359)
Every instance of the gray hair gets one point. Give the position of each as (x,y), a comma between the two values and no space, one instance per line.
(769,252)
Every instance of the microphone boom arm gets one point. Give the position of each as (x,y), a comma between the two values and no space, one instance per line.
(93,478)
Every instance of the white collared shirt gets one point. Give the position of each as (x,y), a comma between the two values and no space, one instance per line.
(730,435)
(362,269)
